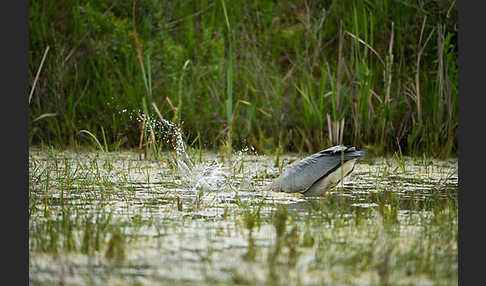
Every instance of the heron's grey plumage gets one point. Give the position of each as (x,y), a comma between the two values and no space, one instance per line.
(315,174)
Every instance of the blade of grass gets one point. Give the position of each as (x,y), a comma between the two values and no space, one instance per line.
(94,138)
(38,73)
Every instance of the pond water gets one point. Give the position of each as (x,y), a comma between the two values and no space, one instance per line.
(120,218)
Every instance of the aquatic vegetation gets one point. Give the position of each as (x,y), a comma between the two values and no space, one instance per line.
(114,217)
(182,206)
(308,73)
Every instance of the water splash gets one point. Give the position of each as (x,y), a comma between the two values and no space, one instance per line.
(207,176)
(166,130)
(211,176)
(214,176)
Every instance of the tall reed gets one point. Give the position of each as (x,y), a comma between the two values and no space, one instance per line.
(313,73)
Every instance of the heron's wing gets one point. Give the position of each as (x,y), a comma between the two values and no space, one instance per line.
(337,148)
(332,178)
(303,174)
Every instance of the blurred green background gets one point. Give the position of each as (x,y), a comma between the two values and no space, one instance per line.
(268,74)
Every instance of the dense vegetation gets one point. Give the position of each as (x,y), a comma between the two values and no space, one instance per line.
(271,74)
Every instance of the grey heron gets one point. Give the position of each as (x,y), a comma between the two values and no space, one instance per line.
(317,173)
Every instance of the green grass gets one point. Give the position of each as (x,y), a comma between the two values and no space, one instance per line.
(386,70)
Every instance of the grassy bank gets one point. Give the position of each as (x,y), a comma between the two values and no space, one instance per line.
(292,75)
